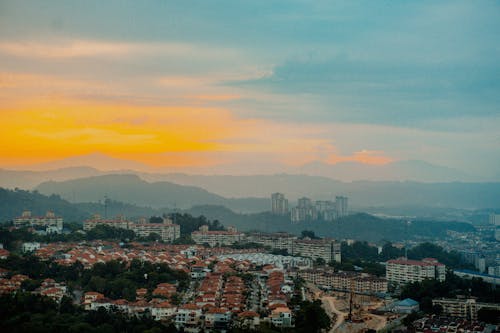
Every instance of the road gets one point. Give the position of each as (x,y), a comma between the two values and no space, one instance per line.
(328,302)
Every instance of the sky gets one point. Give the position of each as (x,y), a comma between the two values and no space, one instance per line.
(251,86)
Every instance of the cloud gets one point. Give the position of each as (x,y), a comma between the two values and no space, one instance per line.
(349,90)
(282,83)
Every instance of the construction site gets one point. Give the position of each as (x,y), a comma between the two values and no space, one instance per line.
(351,312)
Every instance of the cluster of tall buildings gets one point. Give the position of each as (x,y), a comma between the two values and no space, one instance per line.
(307,210)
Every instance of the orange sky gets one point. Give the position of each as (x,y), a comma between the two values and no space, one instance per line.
(45,130)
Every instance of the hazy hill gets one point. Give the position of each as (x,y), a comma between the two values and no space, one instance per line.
(360,193)
(412,170)
(30,179)
(252,192)
(132,189)
(358,226)
(97,160)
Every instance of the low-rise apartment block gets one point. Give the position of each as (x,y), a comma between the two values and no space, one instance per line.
(166,230)
(359,283)
(326,249)
(466,308)
(217,237)
(49,220)
(118,222)
(403,271)
(275,241)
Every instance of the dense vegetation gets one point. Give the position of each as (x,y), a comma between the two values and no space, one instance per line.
(12,239)
(189,223)
(24,312)
(426,290)
(14,202)
(114,279)
(361,253)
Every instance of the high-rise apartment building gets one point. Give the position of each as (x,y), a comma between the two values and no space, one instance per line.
(326,249)
(341,206)
(279,204)
(326,210)
(305,211)
(495,219)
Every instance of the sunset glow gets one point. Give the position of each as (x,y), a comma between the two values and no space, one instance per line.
(187,92)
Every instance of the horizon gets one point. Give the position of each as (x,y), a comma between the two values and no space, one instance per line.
(106,165)
(253,88)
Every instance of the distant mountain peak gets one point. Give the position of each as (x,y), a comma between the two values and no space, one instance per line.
(402,170)
(96,160)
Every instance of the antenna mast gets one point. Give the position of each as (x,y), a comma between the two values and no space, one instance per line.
(106,207)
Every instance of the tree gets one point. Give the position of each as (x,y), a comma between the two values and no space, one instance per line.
(489,315)
(153,237)
(320,262)
(176,299)
(184,239)
(437,309)
(390,252)
(309,234)
(66,305)
(156,219)
(312,318)
(410,318)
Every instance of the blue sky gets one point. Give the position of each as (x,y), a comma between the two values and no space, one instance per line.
(401,79)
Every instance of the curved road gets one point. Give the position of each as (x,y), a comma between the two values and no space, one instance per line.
(330,307)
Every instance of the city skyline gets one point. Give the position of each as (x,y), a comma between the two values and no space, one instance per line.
(251,87)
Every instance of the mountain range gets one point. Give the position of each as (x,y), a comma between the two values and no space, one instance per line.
(133,189)
(99,164)
(250,193)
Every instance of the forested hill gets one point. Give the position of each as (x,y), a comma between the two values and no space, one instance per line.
(358,226)
(13,202)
